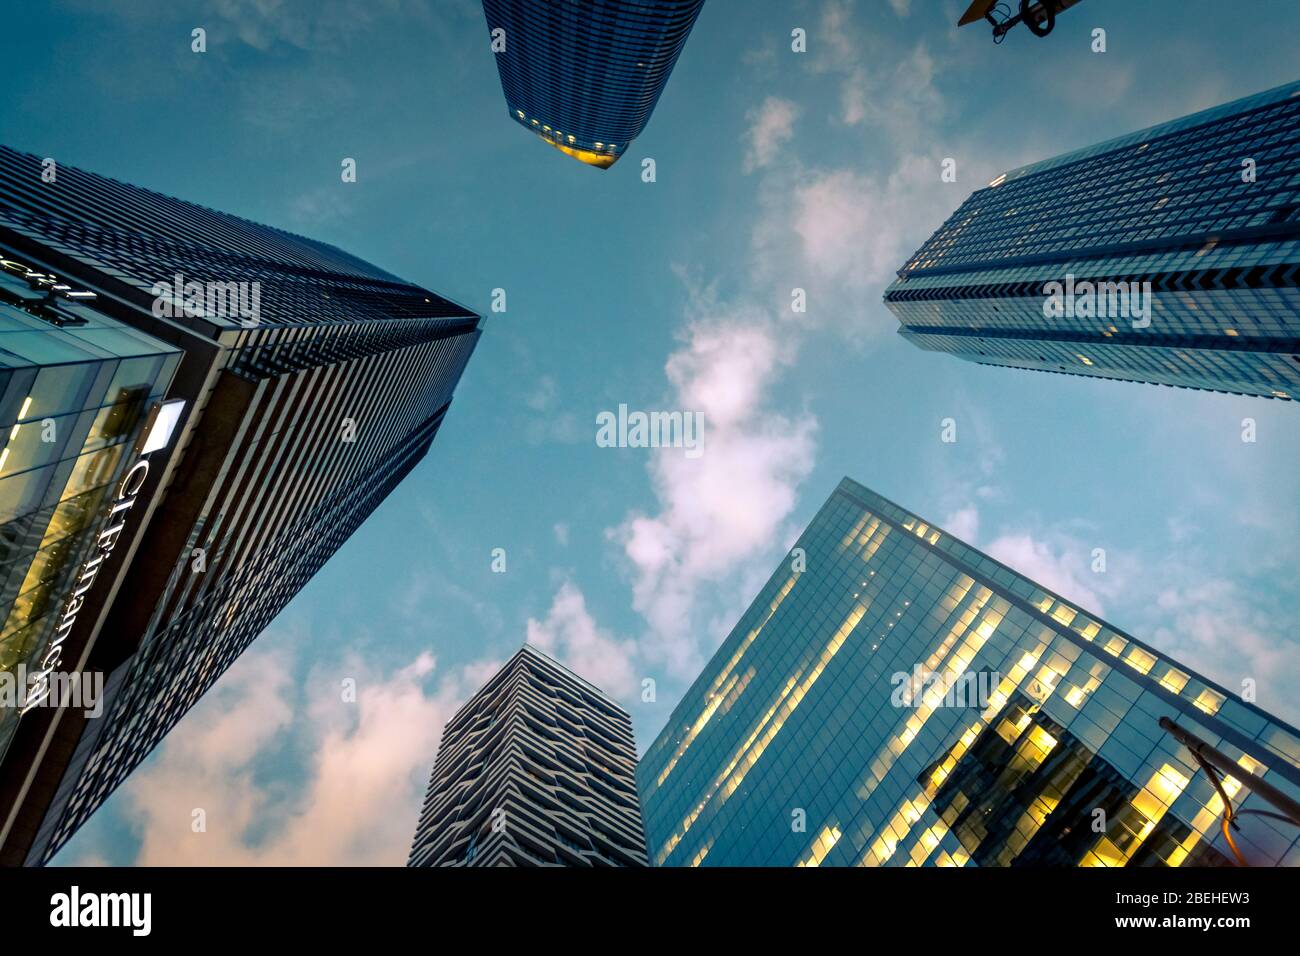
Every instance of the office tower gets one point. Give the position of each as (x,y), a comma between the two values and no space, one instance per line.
(585,75)
(895,697)
(537,769)
(1168,256)
(301,385)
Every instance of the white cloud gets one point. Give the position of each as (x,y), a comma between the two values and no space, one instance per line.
(543,397)
(1057,562)
(854,228)
(726,507)
(1201,621)
(900,99)
(548,421)
(836,36)
(328,25)
(771,125)
(964,523)
(896,92)
(570,635)
(319,207)
(838,233)
(562,427)
(366,765)
(1213,628)
(841,234)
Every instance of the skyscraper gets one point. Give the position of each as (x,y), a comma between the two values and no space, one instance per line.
(895,697)
(537,769)
(1169,256)
(301,384)
(585,75)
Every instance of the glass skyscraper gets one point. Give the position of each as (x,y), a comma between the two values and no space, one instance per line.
(1169,256)
(302,386)
(75,389)
(537,769)
(893,697)
(585,75)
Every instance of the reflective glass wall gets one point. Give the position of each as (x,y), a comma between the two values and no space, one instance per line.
(894,697)
(74,388)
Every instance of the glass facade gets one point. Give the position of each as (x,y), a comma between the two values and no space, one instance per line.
(893,697)
(1169,256)
(313,383)
(74,388)
(585,75)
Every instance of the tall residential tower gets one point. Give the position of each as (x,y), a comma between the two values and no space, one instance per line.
(229,402)
(585,75)
(893,697)
(537,769)
(1169,256)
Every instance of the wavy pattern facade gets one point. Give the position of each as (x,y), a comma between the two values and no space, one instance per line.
(537,769)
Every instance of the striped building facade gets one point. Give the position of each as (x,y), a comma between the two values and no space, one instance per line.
(537,769)
(312,383)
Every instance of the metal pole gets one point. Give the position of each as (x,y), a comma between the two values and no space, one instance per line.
(1225,764)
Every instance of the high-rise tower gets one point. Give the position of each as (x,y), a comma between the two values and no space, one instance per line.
(893,697)
(302,386)
(537,769)
(585,75)
(1170,256)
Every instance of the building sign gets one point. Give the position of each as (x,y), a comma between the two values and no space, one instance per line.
(46,282)
(162,422)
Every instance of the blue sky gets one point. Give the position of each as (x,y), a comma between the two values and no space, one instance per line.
(775,170)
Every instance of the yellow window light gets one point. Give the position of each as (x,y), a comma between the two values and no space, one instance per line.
(1209,701)
(1174,680)
(1140,660)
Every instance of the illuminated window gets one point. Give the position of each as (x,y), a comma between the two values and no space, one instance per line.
(1140,660)
(1115,645)
(1063,613)
(1174,680)
(823,845)
(1209,701)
